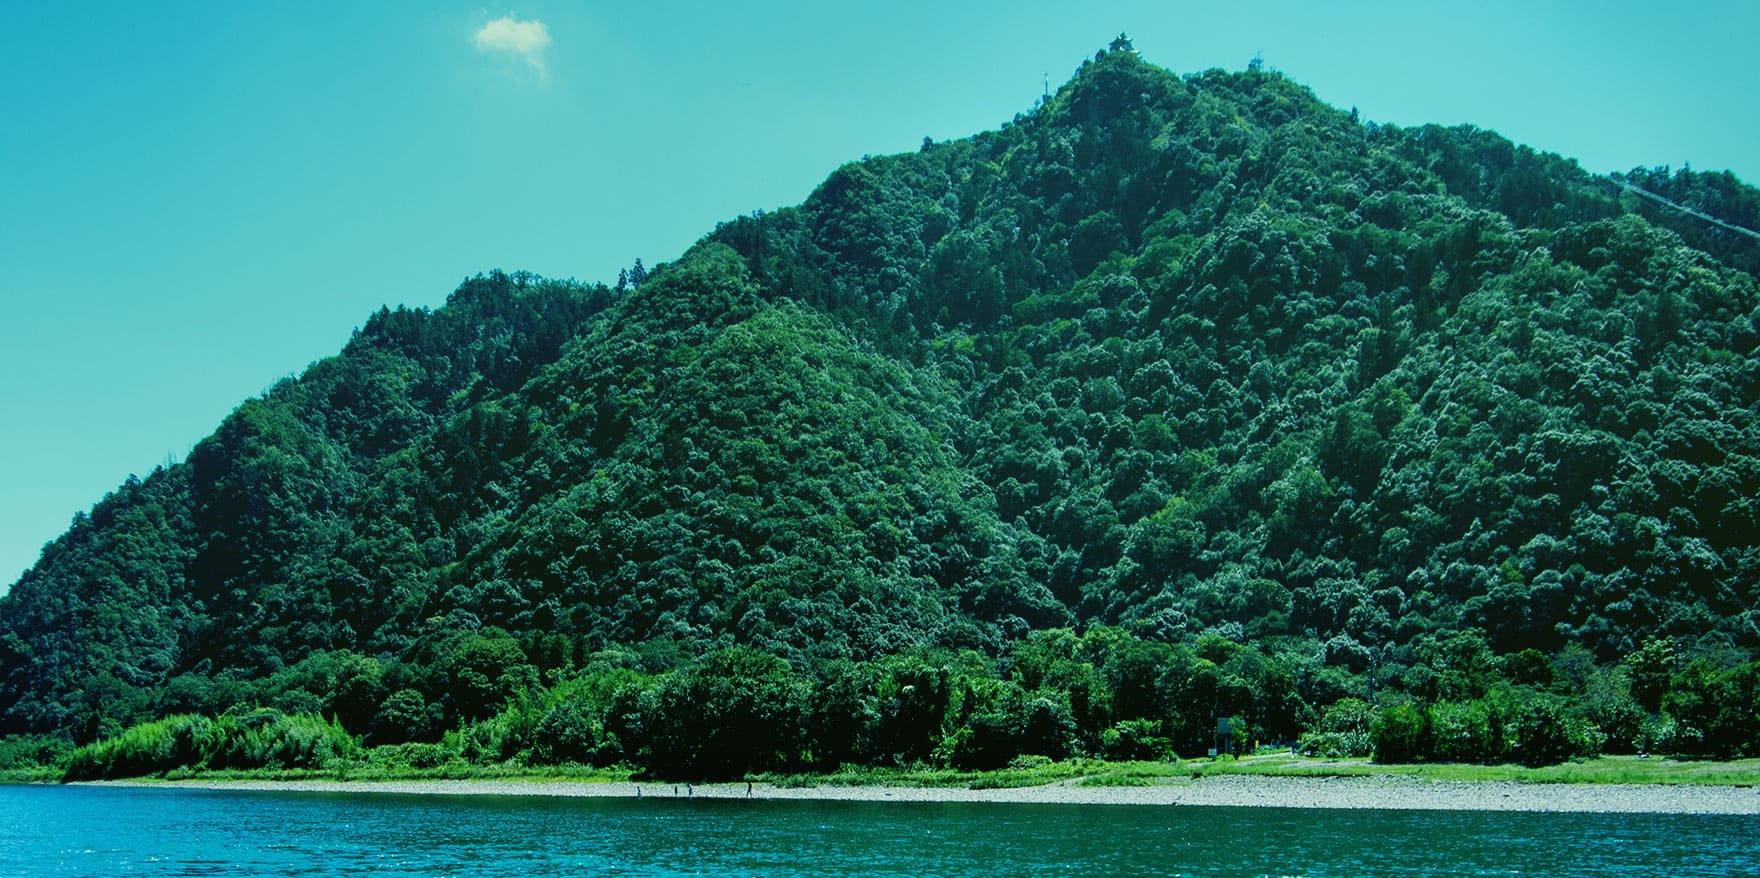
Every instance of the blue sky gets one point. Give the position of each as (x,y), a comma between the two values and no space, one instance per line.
(197,199)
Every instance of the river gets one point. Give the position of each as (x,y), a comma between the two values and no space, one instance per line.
(52,830)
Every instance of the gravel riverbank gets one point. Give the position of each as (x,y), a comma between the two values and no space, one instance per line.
(1385,792)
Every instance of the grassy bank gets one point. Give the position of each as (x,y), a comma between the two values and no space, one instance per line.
(1024,773)
(1600,770)
(1093,772)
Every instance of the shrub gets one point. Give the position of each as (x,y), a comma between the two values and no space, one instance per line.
(405,715)
(1402,734)
(260,739)
(1544,734)
(1335,745)
(1465,732)
(567,733)
(1136,739)
(392,757)
(739,710)
(181,741)
(1346,728)
(28,752)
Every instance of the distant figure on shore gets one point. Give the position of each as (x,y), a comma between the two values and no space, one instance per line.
(748,789)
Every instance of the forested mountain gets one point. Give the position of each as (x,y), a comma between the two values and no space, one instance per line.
(1176,397)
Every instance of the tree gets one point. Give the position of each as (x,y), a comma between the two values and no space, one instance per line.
(739,711)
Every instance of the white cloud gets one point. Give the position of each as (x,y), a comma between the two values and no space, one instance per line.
(524,40)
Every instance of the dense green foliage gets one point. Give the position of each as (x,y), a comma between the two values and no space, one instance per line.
(1176,398)
(258,739)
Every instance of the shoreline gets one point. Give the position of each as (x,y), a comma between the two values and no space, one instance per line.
(1233,790)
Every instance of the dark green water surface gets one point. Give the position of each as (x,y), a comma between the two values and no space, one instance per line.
(107,831)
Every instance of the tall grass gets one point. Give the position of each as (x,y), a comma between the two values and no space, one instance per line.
(261,739)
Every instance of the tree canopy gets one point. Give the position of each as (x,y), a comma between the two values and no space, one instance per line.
(1176,398)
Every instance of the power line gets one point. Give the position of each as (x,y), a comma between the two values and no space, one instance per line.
(1683,208)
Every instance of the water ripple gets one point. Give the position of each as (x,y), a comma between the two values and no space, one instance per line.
(56,831)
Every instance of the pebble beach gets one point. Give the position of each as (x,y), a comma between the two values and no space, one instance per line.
(1255,791)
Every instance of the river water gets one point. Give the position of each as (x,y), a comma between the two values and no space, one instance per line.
(51,830)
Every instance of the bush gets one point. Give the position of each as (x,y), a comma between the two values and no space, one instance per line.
(392,757)
(567,733)
(21,753)
(261,739)
(1136,739)
(405,715)
(1623,722)
(1469,731)
(1346,728)
(740,710)
(1544,734)
(1006,721)
(1715,710)
(181,741)
(1335,745)
(1402,734)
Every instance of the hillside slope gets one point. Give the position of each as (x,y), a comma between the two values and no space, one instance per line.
(1197,363)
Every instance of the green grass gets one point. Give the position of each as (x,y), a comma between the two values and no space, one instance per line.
(1029,772)
(1094,772)
(1133,774)
(1601,770)
(365,773)
(446,771)
(31,774)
